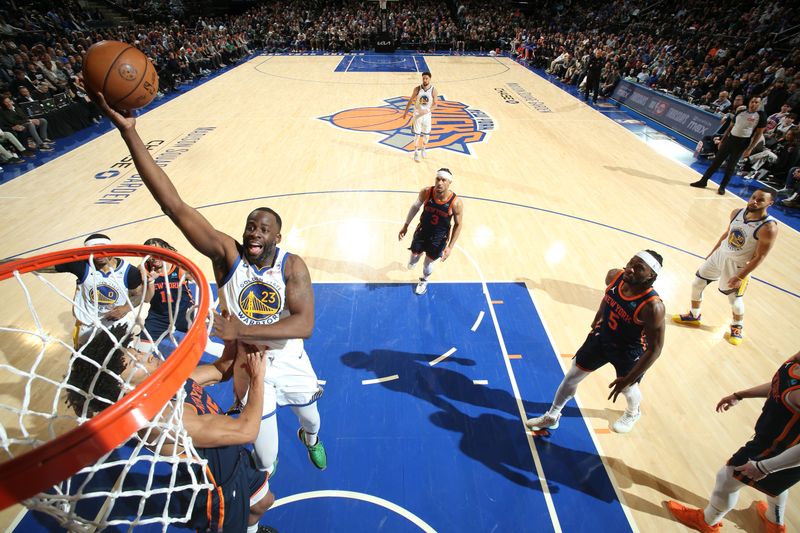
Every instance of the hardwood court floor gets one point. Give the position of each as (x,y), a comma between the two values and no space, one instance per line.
(554,199)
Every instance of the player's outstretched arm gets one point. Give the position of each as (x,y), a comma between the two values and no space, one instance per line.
(212,431)
(413,98)
(200,233)
(458,218)
(653,318)
(412,212)
(759,391)
(299,301)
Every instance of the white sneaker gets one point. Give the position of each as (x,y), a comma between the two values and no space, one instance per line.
(423,153)
(422,286)
(624,424)
(410,266)
(546,421)
(416,156)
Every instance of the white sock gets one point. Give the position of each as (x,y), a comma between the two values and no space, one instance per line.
(253,528)
(695,312)
(311,439)
(633,395)
(776,507)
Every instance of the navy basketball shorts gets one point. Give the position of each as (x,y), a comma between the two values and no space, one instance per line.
(432,244)
(773,484)
(595,353)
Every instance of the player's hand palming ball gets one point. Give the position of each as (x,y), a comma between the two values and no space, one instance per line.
(122,73)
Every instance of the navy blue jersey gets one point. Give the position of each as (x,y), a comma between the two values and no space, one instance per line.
(778,427)
(230,469)
(167,292)
(436,217)
(620,324)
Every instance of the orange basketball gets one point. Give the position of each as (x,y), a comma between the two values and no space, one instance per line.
(371,119)
(122,73)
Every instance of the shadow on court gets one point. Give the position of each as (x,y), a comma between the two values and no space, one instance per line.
(626,477)
(493,434)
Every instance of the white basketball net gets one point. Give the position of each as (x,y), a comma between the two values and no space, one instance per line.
(156,477)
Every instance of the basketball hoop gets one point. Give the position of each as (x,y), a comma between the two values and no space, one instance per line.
(49,468)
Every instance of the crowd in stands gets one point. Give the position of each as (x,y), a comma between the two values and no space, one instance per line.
(706,54)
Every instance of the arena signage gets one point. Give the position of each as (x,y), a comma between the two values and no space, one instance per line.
(675,114)
(507,96)
(120,192)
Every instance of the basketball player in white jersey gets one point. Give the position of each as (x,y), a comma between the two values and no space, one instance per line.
(106,291)
(745,244)
(424,98)
(269,297)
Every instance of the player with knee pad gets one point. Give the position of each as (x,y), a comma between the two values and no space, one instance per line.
(769,462)
(424,98)
(442,210)
(628,332)
(745,244)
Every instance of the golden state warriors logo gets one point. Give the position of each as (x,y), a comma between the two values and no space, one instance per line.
(736,239)
(259,301)
(454,125)
(106,295)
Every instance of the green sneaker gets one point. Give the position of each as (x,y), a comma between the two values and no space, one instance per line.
(316,453)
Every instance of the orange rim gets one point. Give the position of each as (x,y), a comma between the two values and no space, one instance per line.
(51,463)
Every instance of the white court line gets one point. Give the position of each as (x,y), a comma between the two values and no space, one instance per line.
(379,380)
(480,381)
(17,519)
(600,453)
(444,356)
(477,321)
(386,504)
(548,498)
(416,66)
(350,63)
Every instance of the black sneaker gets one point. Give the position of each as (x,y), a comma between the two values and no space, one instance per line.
(701,184)
(46,148)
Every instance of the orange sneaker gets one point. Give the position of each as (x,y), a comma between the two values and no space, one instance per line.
(692,518)
(769,526)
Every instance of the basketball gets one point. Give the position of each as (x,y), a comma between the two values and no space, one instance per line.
(122,73)
(372,119)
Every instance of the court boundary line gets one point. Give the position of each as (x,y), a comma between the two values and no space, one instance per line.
(600,453)
(537,462)
(384,191)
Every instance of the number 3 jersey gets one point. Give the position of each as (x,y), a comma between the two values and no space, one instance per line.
(258,296)
(620,324)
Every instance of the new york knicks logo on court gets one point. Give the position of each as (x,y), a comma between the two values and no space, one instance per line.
(259,302)
(106,295)
(736,239)
(454,125)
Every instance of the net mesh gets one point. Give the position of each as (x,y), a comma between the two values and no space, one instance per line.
(155,476)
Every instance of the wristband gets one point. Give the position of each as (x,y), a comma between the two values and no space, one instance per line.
(759,468)
(738,396)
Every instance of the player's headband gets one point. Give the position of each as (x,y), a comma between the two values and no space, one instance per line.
(444,173)
(648,258)
(95,241)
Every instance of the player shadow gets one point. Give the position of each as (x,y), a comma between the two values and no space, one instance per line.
(492,437)
(626,477)
(353,269)
(702,327)
(567,292)
(636,173)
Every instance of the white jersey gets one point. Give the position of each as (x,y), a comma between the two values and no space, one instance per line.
(99,292)
(259,297)
(424,99)
(740,245)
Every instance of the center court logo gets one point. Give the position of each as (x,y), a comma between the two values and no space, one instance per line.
(454,125)
(259,302)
